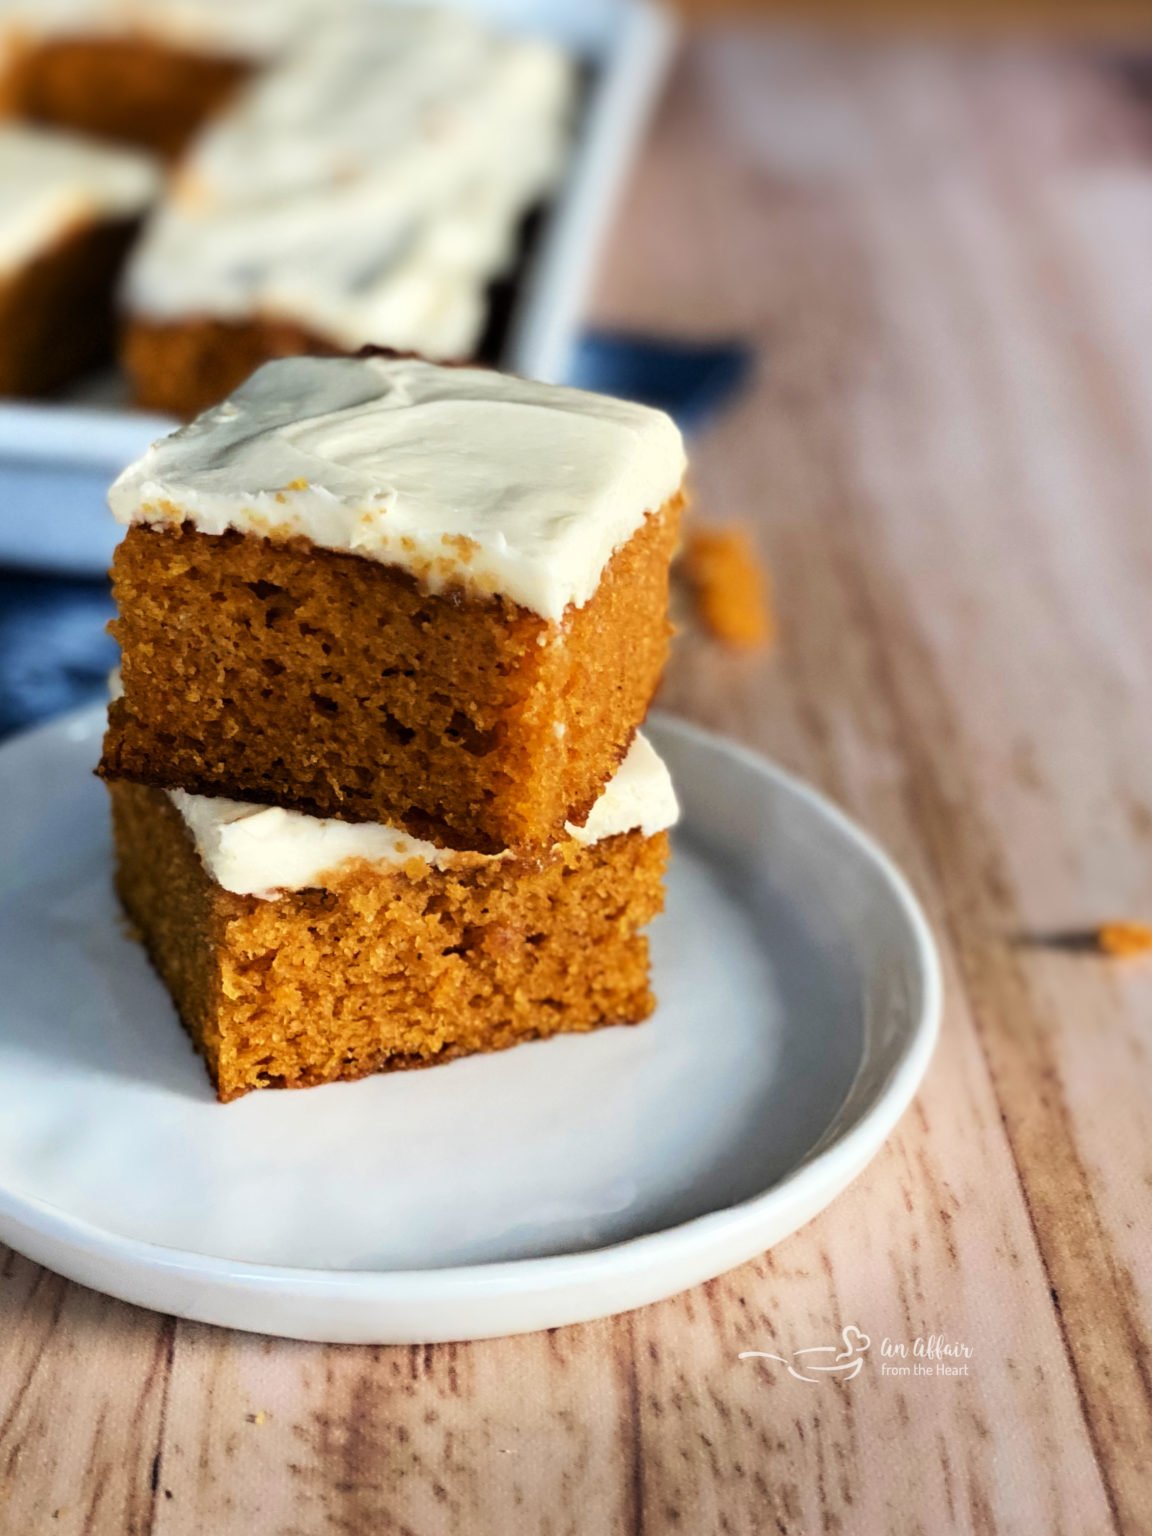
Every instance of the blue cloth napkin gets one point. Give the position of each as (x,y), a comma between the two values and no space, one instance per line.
(55,654)
(54,651)
(692,380)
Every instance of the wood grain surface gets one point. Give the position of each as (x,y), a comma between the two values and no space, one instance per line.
(1094,19)
(945,258)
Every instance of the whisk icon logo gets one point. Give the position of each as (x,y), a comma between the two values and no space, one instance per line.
(822,1362)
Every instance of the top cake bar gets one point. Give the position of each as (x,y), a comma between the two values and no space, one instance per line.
(380,590)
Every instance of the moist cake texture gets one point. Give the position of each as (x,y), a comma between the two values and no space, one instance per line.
(434,598)
(300,952)
(68,213)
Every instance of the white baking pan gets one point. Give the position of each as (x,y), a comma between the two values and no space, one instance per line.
(56,460)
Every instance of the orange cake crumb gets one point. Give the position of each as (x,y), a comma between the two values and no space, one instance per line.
(730,587)
(1125,939)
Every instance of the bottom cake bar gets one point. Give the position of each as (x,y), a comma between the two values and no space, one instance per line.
(301,951)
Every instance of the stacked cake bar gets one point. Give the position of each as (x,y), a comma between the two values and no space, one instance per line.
(387,633)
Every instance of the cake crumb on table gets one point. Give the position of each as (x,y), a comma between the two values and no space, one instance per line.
(730,587)
(1124,940)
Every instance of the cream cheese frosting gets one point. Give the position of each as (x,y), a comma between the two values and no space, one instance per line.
(262,851)
(368,186)
(638,797)
(463,475)
(52,183)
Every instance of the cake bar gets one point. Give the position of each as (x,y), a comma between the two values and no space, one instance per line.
(68,212)
(378,590)
(147,73)
(301,951)
(370,187)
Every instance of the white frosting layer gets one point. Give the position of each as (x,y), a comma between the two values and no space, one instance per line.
(639,796)
(399,461)
(253,29)
(52,183)
(368,187)
(262,850)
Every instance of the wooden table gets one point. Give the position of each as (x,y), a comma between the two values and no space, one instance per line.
(947,258)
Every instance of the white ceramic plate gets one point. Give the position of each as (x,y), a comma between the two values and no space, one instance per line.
(551,1184)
